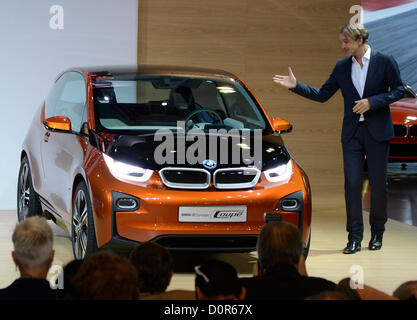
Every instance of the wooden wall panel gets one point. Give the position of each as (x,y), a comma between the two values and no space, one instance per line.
(255,40)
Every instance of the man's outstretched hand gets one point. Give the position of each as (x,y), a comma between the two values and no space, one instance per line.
(287,81)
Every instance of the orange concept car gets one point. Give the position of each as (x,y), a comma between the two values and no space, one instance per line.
(184,157)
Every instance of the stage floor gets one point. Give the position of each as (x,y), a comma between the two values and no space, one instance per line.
(386,269)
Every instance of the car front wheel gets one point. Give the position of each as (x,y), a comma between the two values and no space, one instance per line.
(28,203)
(83,234)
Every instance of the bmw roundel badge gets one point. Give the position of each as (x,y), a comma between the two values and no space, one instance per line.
(209,164)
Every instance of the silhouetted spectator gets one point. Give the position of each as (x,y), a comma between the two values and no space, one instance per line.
(345,287)
(406,291)
(218,280)
(33,255)
(329,295)
(106,276)
(154,265)
(70,270)
(279,251)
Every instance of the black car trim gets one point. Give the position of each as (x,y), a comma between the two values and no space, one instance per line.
(49,207)
(299,196)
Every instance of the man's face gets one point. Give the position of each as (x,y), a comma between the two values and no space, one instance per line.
(349,46)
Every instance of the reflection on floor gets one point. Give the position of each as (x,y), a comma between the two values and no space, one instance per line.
(386,269)
(402,193)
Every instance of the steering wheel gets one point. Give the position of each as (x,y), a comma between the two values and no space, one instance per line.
(189,117)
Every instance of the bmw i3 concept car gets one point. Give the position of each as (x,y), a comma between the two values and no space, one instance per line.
(184,157)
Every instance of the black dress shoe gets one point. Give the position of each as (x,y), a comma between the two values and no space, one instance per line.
(375,243)
(352,247)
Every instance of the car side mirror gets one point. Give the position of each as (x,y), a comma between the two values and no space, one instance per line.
(281,125)
(84,129)
(59,123)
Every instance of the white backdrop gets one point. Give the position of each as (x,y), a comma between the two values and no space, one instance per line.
(35,49)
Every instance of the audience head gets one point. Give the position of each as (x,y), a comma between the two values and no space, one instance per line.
(33,243)
(154,265)
(70,270)
(329,295)
(406,291)
(218,280)
(105,276)
(279,243)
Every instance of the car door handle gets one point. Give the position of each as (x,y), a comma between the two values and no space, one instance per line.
(46,137)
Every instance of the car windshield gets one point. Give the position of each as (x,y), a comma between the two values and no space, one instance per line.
(144,104)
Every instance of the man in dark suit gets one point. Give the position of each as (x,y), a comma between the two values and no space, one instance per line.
(369,81)
(281,269)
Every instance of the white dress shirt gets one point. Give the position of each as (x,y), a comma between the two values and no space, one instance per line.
(359,74)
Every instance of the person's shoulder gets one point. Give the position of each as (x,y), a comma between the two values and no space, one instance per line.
(28,289)
(379,55)
(343,61)
(382,57)
(320,282)
(342,64)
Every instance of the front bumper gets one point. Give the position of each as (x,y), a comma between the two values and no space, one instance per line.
(156,218)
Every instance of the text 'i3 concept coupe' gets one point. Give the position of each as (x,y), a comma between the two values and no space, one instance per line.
(184,157)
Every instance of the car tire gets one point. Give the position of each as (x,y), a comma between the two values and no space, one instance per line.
(83,234)
(28,204)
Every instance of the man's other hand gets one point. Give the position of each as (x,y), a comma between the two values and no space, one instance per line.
(287,81)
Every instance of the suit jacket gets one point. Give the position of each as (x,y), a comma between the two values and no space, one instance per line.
(383,74)
(28,289)
(284,282)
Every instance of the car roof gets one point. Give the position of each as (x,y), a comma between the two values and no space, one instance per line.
(143,70)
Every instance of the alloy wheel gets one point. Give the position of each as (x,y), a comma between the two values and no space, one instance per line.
(80,225)
(24,192)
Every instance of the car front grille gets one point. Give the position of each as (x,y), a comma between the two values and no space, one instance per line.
(185,178)
(236,178)
(190,178)
(400,130)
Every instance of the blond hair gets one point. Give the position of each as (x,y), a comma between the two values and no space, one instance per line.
(355,31)
(33,241)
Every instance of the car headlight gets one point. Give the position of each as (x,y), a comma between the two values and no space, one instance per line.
(126,171)
(280,173)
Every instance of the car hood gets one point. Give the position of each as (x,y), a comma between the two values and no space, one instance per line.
(404,108)
(143,151)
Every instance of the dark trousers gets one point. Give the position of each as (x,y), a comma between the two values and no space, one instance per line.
(362,144)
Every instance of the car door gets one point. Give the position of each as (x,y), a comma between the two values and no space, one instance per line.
(63,152)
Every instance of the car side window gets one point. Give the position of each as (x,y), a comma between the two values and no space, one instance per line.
(68,98)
